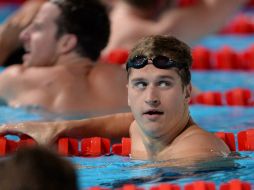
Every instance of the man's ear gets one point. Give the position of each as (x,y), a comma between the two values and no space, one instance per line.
(67,43)
(188,90)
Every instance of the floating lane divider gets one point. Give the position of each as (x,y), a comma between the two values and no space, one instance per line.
(89,147)
(246,140)
(9,146)
(122,149)
(97,146)
(225,58)
(232,97)
(93,147)
(242,24)
(235,184)
(228,138)
(117,56)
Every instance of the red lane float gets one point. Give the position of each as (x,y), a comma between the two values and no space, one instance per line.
(241,24)
(200,185)
(95,146)
(248,58)
(201,58)
(226,59)
(166,186)
(7,146)
(235,184)
(228,138)
(117,56)
(238,97)
(246,140)
(209,98)
(232,97)
(98,188)
(123,149)
(130,187)
(68,146)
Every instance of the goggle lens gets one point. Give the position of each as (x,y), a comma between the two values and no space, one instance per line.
(161,62)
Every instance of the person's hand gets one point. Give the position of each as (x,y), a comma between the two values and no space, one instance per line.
(10,31)
(42,132)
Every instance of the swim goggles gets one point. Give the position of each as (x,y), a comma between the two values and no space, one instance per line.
(160,61)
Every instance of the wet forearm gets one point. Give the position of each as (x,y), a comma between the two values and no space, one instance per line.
(111,126)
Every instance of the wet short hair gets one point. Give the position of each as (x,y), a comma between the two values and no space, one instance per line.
(88,20)
(37,168)
(169,46)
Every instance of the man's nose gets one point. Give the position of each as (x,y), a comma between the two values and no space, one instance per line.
(152,97)
(25,34)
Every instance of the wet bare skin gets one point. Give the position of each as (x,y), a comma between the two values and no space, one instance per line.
(190,146)
(66,88)
(129,24)
(57,78)
(182,147)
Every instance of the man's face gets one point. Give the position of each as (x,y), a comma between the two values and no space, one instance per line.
(39,38)
(157,99)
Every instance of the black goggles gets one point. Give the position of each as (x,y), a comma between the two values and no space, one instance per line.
(160,61)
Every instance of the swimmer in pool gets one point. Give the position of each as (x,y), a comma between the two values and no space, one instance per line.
(134,19)
(160,125)
(60,71)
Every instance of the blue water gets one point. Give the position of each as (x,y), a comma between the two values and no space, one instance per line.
(114,171)
(6,10)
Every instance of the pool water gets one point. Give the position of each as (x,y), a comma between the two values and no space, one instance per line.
(6,10)
(114,171)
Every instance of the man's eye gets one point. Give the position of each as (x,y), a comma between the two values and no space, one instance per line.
(140,85)
(36,27)
(164,84)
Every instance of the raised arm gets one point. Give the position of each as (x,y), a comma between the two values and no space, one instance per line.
(110,126)
(192,23)
(11,29)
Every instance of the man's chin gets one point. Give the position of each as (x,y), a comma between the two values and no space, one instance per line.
(27,64)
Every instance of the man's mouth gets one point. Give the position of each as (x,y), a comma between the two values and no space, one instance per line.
(26,54)
(153,112)
(27,51)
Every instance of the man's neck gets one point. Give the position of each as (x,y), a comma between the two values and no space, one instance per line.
(73,59)
(156,145)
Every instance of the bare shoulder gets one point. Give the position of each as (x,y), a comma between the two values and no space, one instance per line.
(102,67)
(108,73)
(196,142)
